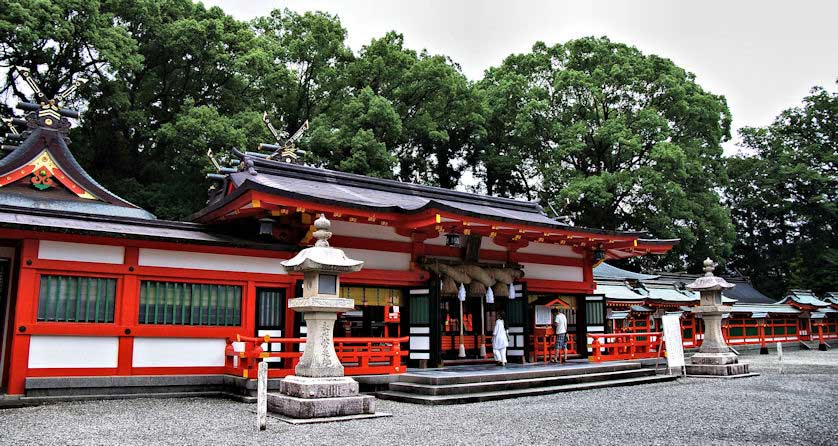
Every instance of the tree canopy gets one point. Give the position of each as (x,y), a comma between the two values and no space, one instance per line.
(613,138)
(783,196)
(595,130)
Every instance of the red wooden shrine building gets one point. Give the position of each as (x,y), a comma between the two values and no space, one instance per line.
(93,286)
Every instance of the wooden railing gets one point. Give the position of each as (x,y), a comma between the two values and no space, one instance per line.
(543,346)
(621,346)
(359,356)
(825,329)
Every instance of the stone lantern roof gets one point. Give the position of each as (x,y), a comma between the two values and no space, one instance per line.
(321,256)
(709,282)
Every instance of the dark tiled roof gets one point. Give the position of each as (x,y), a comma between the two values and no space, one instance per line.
(375,194)
(803,297)
(745,293)
(610,272)
(123,227)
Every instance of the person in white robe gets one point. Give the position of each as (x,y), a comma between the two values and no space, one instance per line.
(500,341)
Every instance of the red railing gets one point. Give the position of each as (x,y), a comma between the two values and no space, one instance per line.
(359,356)
(543,346)
(620,346)
(825,329)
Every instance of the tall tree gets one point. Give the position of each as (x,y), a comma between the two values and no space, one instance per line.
(613,138)
(783,197)
(429,117)
(155,66)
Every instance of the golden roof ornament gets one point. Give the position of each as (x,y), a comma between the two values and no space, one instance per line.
(285,148)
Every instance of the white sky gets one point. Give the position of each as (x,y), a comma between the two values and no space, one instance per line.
(763,56)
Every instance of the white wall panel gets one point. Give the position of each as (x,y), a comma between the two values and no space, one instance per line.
(378,232)
(216,262)
(489,245)
(73,352)
(380,259)
(550,249)
(420,343)
(80,252)
(178,352)
(553,272)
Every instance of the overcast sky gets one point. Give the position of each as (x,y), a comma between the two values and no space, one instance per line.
(763,56)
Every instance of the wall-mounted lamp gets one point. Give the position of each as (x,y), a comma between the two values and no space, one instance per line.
(452,239)
(266,227)
(599,256)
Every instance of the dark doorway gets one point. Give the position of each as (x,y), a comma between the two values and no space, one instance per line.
(5,318)
(270,319)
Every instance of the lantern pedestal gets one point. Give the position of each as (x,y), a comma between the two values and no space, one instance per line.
(319,389)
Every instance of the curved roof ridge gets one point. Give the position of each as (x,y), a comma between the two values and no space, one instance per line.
(424,190)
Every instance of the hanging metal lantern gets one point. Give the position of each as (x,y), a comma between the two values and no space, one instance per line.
(266,226)
(452,239)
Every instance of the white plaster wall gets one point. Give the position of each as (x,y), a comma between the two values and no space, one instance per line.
(420,343)
(380,259)
(178,352)
(553,272)
(489,245)
(80,252)
(550,249)
(73,352)
(216,262)
(378,232)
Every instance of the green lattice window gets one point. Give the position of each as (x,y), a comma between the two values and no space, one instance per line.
(76,299)
(594,313)
(177,303)
(420,312)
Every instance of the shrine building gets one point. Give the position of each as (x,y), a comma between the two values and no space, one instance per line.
(91,286)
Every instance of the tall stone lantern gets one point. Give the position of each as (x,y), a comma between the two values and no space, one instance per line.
(714,357)
(318,388)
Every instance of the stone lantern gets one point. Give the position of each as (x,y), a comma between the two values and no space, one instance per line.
(318,388)
(714,357)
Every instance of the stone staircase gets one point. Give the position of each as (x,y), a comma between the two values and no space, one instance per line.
(470,385)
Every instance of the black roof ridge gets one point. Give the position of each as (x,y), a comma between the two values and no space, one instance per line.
(215,238)
(387,185)
(154,222)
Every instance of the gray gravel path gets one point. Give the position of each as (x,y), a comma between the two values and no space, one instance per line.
(797,407)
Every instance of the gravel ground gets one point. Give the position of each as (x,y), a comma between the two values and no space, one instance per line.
(799,406)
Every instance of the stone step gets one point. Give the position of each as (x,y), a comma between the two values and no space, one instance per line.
(508,374)
(24,401)
(505,394)
(516,384)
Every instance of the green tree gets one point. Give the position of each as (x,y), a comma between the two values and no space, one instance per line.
(155,67)
(783,196)
(297,71)
(614,139)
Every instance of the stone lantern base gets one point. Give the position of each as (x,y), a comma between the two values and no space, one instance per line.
(716,364)
(302,397)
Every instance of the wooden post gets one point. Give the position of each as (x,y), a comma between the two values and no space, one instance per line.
(462,352)
(262,396)
(763,347)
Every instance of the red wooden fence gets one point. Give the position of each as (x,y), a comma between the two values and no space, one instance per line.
(359,356)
